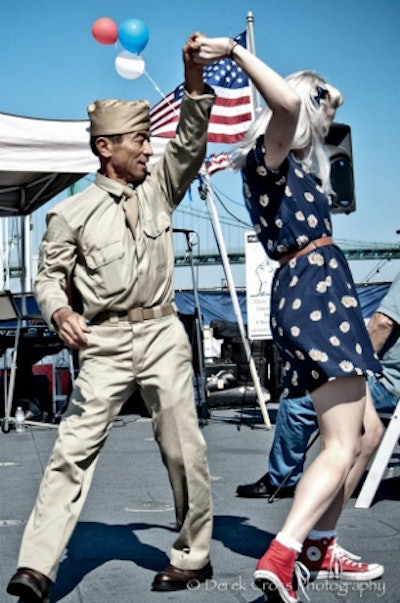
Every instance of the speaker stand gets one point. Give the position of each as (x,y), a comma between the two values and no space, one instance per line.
(202,408)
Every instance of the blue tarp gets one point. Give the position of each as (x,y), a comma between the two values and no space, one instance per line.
(217,305)
(370,296)
(214,305)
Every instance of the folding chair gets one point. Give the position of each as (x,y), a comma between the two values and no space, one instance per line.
(9,312)
(380,462)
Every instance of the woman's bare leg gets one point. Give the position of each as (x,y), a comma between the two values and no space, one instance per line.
(373,431)
(340,407)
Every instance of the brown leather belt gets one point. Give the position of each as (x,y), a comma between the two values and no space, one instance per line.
(134,314)
(321,242)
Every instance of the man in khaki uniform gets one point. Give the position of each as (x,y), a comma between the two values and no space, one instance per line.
(115,244)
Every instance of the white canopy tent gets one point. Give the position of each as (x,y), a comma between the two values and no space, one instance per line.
(39,158)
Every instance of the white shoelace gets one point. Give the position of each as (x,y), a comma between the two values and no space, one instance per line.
(303,577)
(338,552)
(347,553)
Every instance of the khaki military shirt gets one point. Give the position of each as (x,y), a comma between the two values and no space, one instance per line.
(88,238)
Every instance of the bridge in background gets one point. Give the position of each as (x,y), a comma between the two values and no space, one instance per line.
(205,250)
(358,253)
(195,218)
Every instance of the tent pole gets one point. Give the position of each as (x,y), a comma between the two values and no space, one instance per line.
(24,271)
(6,253)
(25,229)
(2,255)
(205,180)
(28,254)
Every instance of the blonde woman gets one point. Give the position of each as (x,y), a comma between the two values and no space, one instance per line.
(316,320)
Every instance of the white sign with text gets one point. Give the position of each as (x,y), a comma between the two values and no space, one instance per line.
(259,275)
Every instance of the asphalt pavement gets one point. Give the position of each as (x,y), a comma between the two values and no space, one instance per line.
(127,525)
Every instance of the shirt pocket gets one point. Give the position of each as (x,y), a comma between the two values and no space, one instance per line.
(157,232)
(106,267)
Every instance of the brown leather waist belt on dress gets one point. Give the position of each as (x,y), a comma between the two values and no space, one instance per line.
(321,242)
(134,314)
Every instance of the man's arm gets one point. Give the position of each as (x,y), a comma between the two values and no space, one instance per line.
(380,328)
(56,261)
(184,154)
(194,83)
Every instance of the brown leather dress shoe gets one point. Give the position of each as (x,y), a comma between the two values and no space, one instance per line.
(173,578)
(31,586)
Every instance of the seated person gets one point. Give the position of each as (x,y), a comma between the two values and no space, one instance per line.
(296,420)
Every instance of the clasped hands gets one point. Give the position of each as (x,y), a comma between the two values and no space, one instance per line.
(204,50)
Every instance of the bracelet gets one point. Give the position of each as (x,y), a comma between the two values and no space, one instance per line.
(231,47)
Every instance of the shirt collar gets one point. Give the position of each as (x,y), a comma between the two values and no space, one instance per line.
(108,184)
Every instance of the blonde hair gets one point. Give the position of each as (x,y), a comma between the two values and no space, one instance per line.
(311,126)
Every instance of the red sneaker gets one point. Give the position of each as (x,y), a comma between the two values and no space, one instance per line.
(324,558)
(274,573)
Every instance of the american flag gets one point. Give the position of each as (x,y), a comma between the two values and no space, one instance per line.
(232,112)
(216,163)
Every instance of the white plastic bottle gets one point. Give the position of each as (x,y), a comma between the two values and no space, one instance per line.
(19,420)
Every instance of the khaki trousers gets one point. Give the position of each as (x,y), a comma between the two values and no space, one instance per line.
(156,356)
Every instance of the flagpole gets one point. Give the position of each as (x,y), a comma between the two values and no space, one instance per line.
(204,176)
(261,396)
(251,46)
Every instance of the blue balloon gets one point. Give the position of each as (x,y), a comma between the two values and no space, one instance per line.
(133,35)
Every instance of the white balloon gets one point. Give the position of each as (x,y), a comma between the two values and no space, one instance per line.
(128,65)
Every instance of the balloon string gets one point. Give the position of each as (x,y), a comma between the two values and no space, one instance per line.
(155,85)
(161,92)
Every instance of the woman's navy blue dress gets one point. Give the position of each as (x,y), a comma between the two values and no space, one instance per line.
(316,320)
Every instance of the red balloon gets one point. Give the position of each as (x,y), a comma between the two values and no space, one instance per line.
(105,31)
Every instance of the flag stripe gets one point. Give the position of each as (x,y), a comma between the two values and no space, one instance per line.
(225,138)
(221,126)
(170,111)
(225,128)
(167,131)
(231,102)
(242,94)
(226,120)
(165,119)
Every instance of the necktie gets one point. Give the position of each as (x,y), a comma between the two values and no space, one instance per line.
(131,207)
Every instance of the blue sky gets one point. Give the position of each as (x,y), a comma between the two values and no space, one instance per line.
(51,67)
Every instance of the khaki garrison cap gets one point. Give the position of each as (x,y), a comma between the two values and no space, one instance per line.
(108,117)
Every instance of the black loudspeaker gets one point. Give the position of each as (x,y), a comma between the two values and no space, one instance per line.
(338,146)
